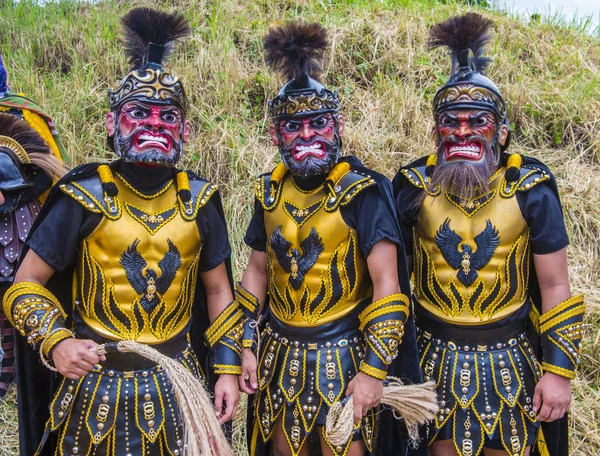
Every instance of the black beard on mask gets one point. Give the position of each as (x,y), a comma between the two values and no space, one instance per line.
(463,178)
(124,149)
(311,166)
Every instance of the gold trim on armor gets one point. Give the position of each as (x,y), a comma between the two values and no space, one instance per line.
(143,195)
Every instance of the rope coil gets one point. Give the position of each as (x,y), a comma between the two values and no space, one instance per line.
(415,404)
(202,432)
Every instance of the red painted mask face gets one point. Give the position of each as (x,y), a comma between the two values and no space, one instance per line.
(309,146)
(149,133)
(466,134)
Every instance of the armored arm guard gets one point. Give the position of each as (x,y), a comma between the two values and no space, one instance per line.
(249,306)
(224,339)
(561,329)
(37,315)
(382,324)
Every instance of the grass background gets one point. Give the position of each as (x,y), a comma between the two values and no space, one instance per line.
(65,55)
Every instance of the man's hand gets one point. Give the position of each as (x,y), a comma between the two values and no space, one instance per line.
(552,397)
(226,391)
(248,380)
(367,393)
(74,358)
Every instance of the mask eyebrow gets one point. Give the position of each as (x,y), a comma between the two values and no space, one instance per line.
(479,114)
(139,106)
(449,116)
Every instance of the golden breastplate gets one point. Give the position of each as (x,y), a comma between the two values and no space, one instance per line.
(137,272)
(471,258)
(317,272)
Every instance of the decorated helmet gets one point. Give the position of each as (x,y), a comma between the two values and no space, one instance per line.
(296,50)
(150,36)
(468,87)
(23,152)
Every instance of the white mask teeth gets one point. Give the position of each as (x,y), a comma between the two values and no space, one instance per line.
(471,151)
(148,137)
(314,149)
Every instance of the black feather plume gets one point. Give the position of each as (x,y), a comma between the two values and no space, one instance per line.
(296,49)
(471,31)
(146,25)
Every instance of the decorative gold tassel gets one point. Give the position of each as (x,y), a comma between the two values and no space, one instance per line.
(513,167)
(278,173)
(415,404)
(202,432)
(430,165)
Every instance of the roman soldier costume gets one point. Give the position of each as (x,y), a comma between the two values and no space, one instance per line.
(317,222)
(128,241)
(29,161)
(477,301)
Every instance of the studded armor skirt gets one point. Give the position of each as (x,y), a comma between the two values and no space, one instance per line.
(302,372)
(485,383)
(119,413)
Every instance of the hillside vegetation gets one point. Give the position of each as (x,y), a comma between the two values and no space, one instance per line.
(65,55)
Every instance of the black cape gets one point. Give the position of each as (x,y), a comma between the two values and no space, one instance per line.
(36,384)
(555,434)
(392,437)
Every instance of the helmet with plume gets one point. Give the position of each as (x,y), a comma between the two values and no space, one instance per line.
(150,36)
(21,147)
(296,50)
(468,87)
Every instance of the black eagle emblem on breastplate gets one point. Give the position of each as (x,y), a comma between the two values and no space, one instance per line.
(291,261)
(149,286)
(466,261)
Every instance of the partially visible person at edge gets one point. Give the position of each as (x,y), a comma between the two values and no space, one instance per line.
(497,327)
(133,250)
(30,159)
(325,248)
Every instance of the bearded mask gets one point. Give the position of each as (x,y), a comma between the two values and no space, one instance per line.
(309,146)
(148,107)
(471,123)
(149,133)
(306,126)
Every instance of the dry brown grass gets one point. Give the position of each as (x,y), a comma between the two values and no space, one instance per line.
(66,55)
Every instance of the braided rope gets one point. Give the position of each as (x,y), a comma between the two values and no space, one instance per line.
(415,404)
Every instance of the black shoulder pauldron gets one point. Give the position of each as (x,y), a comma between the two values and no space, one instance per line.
(346,189)
(416,176)
(530,175)
(201,191)
(267,187)
(88,192)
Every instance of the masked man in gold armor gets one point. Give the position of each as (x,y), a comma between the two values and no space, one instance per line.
(324,258)
(497,328)
(133,250)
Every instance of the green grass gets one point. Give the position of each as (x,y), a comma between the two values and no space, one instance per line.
(65,56)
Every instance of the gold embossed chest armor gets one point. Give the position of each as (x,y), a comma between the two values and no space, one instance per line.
(317,272)
(136,272)
(471,258)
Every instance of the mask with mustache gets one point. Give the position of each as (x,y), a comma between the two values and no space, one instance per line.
(466,179)
(310,165)
(125,148)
